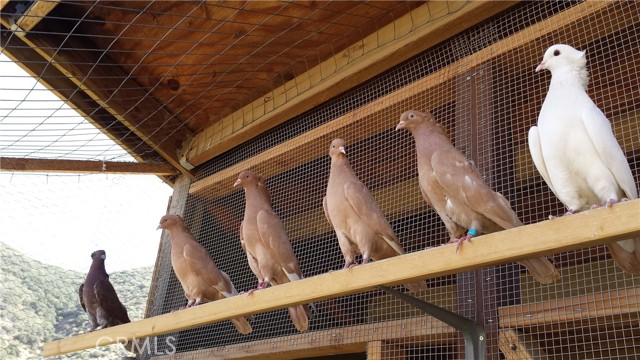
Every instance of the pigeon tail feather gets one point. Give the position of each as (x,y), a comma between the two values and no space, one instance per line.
(242,325)
(541,269)
(416,286)
(299,317)
(629,262)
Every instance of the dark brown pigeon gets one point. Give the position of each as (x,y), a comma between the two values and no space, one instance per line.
(98,297)
(454,188)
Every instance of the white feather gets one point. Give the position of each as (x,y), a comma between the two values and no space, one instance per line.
(573,146)
(536,154)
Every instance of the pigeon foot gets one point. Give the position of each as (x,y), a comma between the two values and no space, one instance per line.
(460,241)
(569,212)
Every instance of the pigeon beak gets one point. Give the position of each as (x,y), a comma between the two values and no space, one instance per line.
(542,66)
(400,126)
(159,227)
(237,183)
(341,149)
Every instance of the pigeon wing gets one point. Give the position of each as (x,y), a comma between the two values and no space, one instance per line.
(109,302)
(535,148)
(80,291)
(599,129)
(275,238)
(367,209)
(462,182)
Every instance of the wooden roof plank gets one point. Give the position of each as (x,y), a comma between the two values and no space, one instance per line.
(84,166)
(552,236)
(361,61)
(35,14)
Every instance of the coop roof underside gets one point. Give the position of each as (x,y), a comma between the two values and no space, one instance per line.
(184,82)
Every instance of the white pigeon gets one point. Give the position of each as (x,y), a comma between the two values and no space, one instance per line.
(575,150)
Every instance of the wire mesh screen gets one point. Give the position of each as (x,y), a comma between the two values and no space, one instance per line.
(482,87)
(168,68)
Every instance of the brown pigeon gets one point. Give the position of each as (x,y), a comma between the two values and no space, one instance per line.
(452,185)
(360,226)
(195,269)
(98,297)
(266,244)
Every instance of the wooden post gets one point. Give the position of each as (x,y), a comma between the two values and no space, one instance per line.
(380,350)
(156,303)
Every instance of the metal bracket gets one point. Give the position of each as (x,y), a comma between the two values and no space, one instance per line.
(475,340)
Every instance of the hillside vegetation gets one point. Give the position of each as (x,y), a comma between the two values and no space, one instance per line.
(39,303)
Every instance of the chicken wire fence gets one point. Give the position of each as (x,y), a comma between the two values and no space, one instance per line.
(38,126)
(487,108)
(487,104)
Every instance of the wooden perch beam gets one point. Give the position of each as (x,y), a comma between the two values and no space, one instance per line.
(407,36)
(570,311)
(563,234)
(84,166)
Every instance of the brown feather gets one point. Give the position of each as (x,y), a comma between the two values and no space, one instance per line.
(98,297)
(264,239)
(360,225)
(629,262)
(455,189)
(198,274)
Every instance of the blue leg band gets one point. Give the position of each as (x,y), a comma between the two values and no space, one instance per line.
(472,232)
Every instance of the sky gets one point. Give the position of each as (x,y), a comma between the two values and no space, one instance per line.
(61,219)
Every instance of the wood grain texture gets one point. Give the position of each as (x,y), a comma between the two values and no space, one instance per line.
(562,234)
(423,330)
(35,13)
(571,311)
(205,60)
(83,166)
(407,36)
(518,346)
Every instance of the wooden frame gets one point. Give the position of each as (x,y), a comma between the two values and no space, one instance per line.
(33,15)
(586,229)
(571,311)
(84,166)
(425,329)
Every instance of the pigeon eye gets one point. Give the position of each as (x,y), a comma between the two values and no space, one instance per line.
(411,115)
(556,53)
